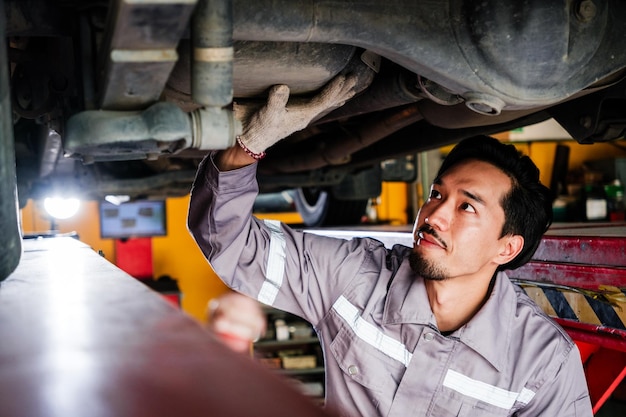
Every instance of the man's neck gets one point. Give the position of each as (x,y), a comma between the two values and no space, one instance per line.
(455,301)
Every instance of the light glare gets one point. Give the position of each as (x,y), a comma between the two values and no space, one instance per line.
(117,199)
(61,208)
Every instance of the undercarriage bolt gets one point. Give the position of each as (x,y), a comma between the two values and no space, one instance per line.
(483,103)
(585,11)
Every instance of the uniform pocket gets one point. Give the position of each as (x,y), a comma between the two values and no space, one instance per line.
(365,364)
(460,406)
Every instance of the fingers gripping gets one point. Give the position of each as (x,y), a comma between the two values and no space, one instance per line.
(277,100)
(279,119)
(336,93)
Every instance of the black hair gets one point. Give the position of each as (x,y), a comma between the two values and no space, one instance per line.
(528,205)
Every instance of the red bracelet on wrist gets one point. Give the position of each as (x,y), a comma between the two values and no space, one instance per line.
(254,155)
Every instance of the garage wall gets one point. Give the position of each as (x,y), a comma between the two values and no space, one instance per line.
(542,152)
(392,204)
(178,256)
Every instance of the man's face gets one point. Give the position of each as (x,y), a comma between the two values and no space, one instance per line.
(457,231)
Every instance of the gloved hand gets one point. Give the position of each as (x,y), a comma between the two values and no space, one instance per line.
(279,119)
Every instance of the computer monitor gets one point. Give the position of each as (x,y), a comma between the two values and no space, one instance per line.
(133,219)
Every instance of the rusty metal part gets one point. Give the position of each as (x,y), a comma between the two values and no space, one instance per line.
(140,51)
(212,40)
(338,150)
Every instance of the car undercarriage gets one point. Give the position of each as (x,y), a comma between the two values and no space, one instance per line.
(126,97)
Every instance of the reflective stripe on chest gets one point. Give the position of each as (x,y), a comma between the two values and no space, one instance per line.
(370,334)
(484,392)
(453,380)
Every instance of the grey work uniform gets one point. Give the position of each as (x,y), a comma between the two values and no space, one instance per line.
(384,355)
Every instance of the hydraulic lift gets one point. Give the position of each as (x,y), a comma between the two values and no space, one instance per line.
(80,337)
(578,276)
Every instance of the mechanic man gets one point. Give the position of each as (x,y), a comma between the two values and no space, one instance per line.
(433,330)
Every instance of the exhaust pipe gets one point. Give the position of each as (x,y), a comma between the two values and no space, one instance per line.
(213,52)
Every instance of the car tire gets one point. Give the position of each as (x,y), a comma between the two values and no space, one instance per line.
(11,236)
(343,204)
(319,208)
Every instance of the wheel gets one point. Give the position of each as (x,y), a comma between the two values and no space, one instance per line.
(11,237)
(343,204)
(319,208)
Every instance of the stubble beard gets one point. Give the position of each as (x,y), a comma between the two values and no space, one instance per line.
(426,269)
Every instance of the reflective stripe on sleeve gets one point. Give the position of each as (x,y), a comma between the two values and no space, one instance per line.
(370,334)
(275,269)
(485,392)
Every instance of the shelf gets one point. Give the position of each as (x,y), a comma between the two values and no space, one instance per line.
(306,371)
(288,342)
(296,351)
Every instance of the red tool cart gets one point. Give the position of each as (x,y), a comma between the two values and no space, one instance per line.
(578,276)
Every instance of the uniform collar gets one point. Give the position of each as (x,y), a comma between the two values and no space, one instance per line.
(487,333)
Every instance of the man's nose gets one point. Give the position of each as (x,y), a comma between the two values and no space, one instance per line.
(440,216)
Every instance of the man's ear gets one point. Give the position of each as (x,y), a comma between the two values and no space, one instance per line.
(512,245)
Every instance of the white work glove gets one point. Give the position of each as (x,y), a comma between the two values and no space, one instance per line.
(279,119)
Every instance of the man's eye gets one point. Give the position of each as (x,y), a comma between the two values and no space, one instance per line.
(468,207)
(435,194)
